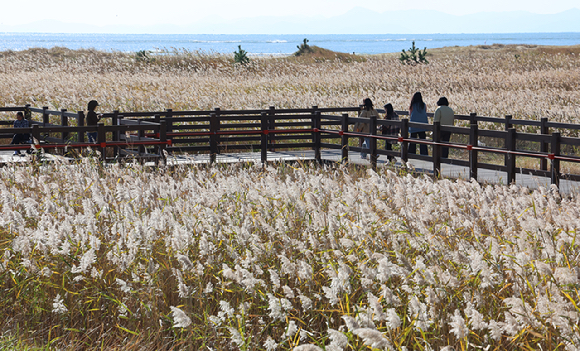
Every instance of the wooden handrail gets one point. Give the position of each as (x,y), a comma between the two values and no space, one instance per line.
(276,127)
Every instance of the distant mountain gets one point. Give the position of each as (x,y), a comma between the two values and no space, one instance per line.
(357,21)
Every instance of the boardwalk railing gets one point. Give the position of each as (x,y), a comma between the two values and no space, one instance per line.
(122,137)
(219,131)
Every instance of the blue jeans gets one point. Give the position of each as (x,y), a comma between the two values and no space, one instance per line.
(365,145)
(422,147)
(92,136)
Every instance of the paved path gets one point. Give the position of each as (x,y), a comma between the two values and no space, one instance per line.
(450,171)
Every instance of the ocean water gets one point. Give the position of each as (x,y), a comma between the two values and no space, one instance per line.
(282,44)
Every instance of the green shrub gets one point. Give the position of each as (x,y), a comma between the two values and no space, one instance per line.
(241,56)
(414,56)
(303,48)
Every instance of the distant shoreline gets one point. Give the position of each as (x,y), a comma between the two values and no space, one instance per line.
(276,45)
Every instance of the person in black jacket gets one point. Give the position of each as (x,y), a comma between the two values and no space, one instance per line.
(92,119)
(20,138)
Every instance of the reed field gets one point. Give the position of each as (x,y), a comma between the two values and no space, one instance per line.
(491,81)
(286,256)
(281,258)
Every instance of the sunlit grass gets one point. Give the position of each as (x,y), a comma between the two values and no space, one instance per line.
(251,258)
(245,257)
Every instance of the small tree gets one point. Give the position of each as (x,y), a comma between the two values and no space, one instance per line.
(241,56)
(414,56)
(303,48)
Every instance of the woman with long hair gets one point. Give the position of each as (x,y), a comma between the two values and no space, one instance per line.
(418,114)
(390,130)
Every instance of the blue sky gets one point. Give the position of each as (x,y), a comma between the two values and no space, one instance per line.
(115,12)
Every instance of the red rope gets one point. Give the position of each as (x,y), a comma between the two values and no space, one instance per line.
(456,146)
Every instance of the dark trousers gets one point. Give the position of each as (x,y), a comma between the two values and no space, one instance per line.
(422,147)
(389,147)
(92,136)
(20,138)
(445,136)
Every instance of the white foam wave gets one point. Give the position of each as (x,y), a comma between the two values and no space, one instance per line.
(215,41)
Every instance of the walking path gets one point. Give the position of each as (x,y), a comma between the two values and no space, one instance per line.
(447,171)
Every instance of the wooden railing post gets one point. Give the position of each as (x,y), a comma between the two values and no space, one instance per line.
(264,137)
(162,137)
(80,123)
(45,118)
(405,135)
(64,123)
(508,122)
(169,119)
(119,119)
(313,112)
(272,127)
(114,117)
(473,118)
(373,142)
(544,130)
(35,134)
(555,150)
(116,134)
(344,139)
(316,137)
(508,125)
(437,149)
(473,154)
(101,138)
(213,137)
(510,157)
(218,137)
(141,136)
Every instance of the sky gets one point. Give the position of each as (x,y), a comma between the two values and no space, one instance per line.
(148,12)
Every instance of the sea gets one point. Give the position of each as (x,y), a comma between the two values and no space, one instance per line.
(271,44)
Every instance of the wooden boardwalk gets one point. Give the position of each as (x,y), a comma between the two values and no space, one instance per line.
(447,170)
(324,134)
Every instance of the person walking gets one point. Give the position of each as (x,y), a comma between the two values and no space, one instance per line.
(444,115)
(367,111)
(418,113)
(390,130)
(92,120)
(20,138)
